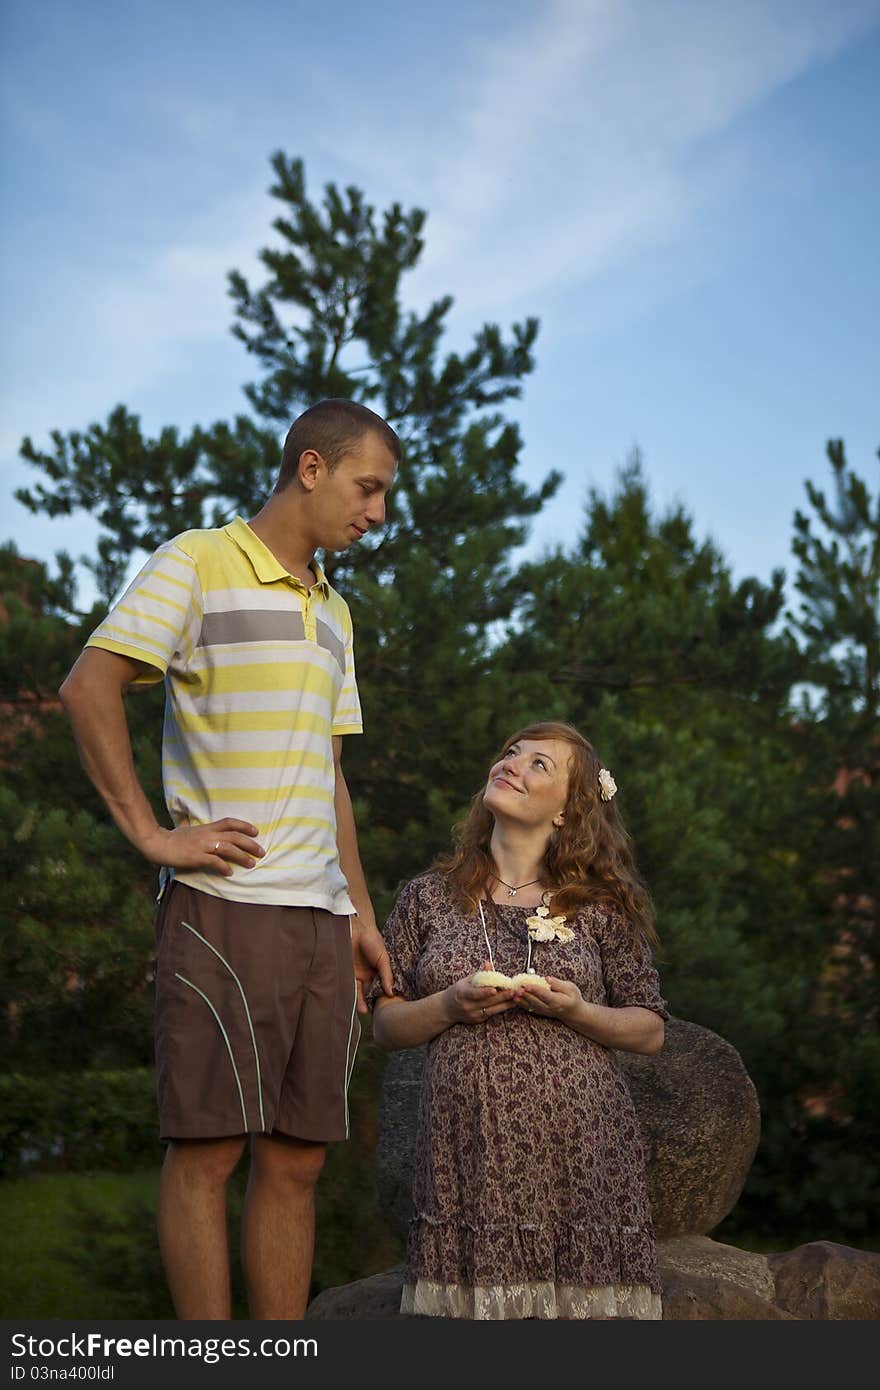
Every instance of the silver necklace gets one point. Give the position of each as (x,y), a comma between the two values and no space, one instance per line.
(513,890)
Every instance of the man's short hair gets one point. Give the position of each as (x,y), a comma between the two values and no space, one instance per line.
(332,428)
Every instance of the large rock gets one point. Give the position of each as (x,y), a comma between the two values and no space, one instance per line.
(698,1112)
(705,1280)
(700,1123)
(701,1279)
(376,1298)
(698,1257)
(687,1297)
(825,1280)
(395,1151)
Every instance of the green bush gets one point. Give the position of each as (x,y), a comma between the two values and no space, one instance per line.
(78,1120)
(39,1236)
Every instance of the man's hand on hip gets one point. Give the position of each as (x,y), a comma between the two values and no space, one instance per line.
(215,847)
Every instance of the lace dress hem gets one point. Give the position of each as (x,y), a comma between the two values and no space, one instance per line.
(541,1299)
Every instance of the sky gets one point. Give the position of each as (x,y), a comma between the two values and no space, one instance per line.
(685,193)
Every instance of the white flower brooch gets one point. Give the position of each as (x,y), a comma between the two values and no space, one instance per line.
(543,927)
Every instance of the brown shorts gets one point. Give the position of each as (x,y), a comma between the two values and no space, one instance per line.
(256,1018)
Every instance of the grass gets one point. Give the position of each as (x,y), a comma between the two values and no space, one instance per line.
(83,1245)
(37,1231)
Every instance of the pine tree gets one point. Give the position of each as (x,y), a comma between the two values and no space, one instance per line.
(838,579)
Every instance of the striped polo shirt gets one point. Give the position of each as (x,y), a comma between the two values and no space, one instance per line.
(259,675)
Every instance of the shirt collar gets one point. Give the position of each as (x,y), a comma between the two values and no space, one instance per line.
(266,565)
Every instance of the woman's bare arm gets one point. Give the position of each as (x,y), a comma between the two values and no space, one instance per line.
(409,1022)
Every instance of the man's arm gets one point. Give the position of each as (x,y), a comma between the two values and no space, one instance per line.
(368,948)
(92,695)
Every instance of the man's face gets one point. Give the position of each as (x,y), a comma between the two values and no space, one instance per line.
(351,500)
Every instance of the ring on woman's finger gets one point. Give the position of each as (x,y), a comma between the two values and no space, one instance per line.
(216,847)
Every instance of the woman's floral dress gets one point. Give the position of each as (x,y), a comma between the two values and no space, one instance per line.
(529,1196)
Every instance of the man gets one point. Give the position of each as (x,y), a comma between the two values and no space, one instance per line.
(264,899)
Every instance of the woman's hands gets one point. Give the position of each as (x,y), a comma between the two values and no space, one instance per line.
(468,1003)
(465,1002)
(559,999)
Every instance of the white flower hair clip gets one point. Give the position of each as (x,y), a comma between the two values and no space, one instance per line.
(607,784)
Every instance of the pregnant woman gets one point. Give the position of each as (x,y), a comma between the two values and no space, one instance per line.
(524,961)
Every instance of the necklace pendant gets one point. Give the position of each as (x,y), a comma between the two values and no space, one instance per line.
(512,892)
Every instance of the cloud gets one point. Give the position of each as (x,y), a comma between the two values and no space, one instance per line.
(584,135)
(559,149)
(121,332)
